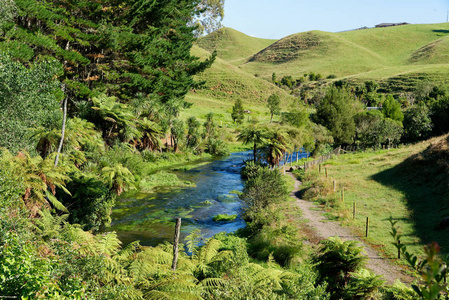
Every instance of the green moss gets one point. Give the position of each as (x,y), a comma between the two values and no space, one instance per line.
(224,218)
(162,178)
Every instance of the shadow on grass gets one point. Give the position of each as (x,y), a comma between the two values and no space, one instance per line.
(422,199)
(441,31)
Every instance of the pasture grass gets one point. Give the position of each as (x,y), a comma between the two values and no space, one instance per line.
(244,66)
(383,185)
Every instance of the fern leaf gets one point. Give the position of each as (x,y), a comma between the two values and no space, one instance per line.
(108,243)
(55,202)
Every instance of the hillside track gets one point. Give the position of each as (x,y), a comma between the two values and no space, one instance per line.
(319,227)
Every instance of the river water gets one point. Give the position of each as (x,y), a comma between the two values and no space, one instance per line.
(149,217)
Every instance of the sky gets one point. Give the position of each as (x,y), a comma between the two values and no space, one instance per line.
(273,19)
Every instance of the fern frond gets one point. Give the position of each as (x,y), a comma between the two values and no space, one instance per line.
(108,243)
(55,202)
(212,282)
(209,250)
(156,295)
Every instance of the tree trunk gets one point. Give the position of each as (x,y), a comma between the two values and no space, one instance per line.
(64,118)
(175,244)
(254,152)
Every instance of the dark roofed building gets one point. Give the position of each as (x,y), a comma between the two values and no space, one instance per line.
(390,24)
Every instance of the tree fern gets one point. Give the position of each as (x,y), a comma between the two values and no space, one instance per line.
(108,243)
(192,241)
(48,226)
(174,286)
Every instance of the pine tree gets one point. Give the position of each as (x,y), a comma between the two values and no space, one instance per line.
(237,114)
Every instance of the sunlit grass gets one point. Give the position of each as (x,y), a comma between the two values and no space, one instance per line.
(380,190)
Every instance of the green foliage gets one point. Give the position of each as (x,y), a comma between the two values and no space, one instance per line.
(296,116)
(417,123)
(23,271)
(432,270)
(277,144)
(440,114)
(362,285)
(29,98)
(177,133)
(374,129)
(265,188)
(116,119)
(336,112)
(193,135)
(252,134)
(217,147)
(392,109)
(91,201)
(274,104)
(118,178)
(224,218)
(237,114)
(251,169)
(335,261)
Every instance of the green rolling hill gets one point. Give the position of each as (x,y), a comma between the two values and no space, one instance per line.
(397,57)
(376,53)
(233,46)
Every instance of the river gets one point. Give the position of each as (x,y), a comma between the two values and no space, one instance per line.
(149,217)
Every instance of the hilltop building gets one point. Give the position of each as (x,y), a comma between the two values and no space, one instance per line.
(390,24)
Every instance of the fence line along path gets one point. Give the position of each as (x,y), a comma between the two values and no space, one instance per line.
(319,227)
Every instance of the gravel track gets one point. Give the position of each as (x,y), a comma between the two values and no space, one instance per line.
(319,227)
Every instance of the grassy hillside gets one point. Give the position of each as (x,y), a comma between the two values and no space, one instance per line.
(377,53)
(410,184)
(397,57)
(233,46)
(227,83)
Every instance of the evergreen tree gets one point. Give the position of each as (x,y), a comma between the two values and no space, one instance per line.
(121,48)
(237,114)
(336,112)
(392,109)
(274,104)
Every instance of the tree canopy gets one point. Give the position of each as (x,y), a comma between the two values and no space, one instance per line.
(336,112)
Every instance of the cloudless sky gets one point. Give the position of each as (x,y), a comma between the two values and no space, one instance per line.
(275,19)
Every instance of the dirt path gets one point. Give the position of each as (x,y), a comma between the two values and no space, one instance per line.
(319,227)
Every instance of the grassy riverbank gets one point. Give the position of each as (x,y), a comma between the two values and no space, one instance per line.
(383,184)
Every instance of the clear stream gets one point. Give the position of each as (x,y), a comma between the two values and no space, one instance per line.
(150,217)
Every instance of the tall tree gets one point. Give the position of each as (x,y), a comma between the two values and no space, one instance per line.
(237,114)
(336,112)
(209,15)
(274,104)
(122,48)
(392,109)
(252,134)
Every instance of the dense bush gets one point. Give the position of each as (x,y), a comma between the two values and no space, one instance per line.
(29,98)
(265,188)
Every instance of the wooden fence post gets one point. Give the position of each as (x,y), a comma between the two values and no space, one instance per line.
(353,211)
(175,244)
(325,170)
(367,226)
(334,185)
(319,167)
(343,195)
